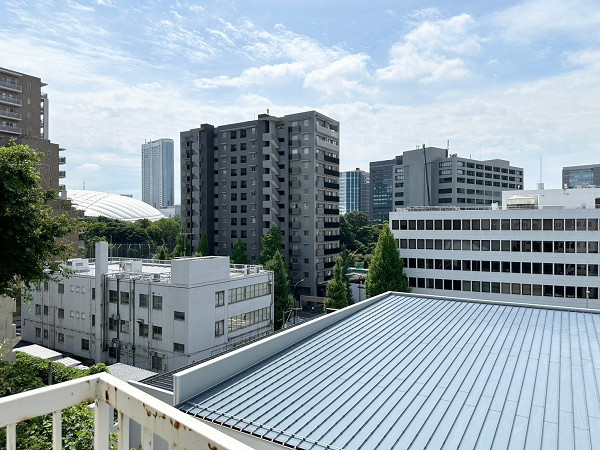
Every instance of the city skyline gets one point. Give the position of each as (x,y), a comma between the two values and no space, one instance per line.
(517,81)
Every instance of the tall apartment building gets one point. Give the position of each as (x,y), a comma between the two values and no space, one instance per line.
(158,184)
(24,118)
(574,176)
(541,247)
(354,192)
(430,176)
(238,180)
(151,314)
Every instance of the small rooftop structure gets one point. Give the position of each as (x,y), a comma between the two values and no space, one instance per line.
(411,371)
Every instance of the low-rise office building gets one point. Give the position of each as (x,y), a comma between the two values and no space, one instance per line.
(541,247)
(158,315)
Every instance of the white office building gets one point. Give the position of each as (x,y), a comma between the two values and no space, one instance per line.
(541,247)
(158,182)
(157,315)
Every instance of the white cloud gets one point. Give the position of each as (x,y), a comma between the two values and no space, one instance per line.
(342,77)
(534,19)
(432,51)
(89,167)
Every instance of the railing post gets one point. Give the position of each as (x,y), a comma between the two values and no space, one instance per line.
(11,436)
(57,430)
(123,432)
(101,425)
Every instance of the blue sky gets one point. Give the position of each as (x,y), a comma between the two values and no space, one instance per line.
(511,80)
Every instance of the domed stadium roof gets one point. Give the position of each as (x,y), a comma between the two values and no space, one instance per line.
(94,204)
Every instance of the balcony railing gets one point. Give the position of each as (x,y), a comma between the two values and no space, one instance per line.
(10,129)
(11,100)
(12,86)
(10,114)
(154,416)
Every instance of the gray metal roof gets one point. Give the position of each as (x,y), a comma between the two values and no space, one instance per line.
(126,372)
(420,372)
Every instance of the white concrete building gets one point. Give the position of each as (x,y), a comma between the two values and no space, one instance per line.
(540,248)
(8,335)
(158,315)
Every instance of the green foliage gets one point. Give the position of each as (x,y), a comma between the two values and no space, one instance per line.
(162,254)
(203,249)
(358,235)
(346,259)
(272,243)
(386,272)
(337,287)
(30,372)
(282,298)
(139,239)
(30,250)
(238,253)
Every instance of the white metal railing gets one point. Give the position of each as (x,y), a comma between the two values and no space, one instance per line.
(154,416)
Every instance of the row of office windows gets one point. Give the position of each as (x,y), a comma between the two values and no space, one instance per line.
(497,245)
(470,165)
(498,224)
(503,184)
(535,268)
(60,338)
(243,320)
(540,290)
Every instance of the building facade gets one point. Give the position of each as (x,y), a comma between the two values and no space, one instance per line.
(541,247)
(240,179)
(158,184)
(157,315)
(574,176)
(24,118)
(429,176)
(354,192)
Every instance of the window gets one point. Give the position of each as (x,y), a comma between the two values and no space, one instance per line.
(112,324)
(219,298)
(157,302)
(61,338)
(125,298)
(45,334)
(45,310)
(178,315)
(178,348)
(143,330)
(112,296)
(124,326)
(219,328)
(38,332)
(143,300)
(61,313)
(156,333)
(61,288)
(85,344)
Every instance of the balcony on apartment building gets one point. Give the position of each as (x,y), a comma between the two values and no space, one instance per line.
(5,113)
(11,100)
(10,129)
(11,86)
(154,417)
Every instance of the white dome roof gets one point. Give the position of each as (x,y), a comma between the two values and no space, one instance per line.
(94,204)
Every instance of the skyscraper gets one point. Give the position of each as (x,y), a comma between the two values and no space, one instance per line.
(238,180)
(354,192)
(158,173)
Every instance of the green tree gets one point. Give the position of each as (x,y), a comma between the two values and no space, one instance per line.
(283,300)
(30,248)
(386,272)
(337,287)
(346,260)
(203,249)
(163,254)
(272,243)
(238,253)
